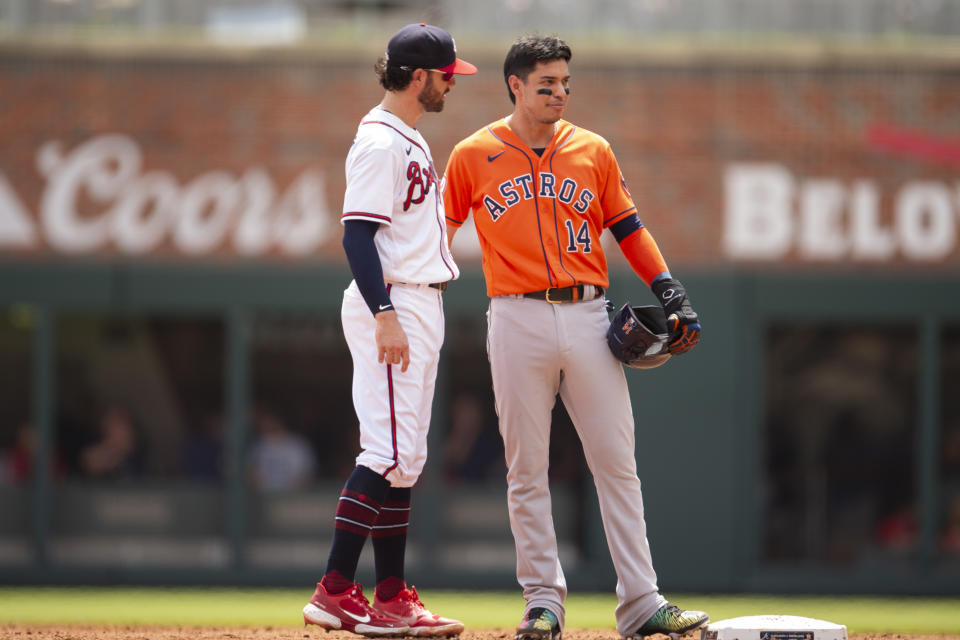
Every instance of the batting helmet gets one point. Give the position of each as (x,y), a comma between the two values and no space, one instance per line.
(638,336)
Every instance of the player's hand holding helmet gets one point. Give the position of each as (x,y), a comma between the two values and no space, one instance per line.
(682,321)
(638,336)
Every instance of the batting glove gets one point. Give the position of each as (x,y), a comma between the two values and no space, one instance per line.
(682,321)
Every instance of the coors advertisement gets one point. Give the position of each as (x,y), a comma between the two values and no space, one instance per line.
(97,198)
(192,160)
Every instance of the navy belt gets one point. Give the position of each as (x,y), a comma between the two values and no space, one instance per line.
(442,286)
(557,295)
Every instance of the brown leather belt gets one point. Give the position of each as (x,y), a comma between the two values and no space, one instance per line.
(557,295)
(439,285)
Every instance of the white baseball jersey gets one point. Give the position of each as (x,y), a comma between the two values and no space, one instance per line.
(391,180)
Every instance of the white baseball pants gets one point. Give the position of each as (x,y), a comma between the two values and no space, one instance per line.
(393,407)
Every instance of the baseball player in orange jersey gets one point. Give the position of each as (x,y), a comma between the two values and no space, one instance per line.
(395,241)
(541,191)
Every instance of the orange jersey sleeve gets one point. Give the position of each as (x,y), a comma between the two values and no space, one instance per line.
(538,218)
(644,255)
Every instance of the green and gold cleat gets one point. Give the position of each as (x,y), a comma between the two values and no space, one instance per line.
(672,621)
(539,624)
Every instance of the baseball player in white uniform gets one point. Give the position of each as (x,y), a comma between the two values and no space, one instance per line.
(396,243)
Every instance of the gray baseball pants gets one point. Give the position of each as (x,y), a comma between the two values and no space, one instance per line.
(537,350)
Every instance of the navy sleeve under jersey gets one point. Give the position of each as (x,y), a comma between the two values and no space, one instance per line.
(365,263)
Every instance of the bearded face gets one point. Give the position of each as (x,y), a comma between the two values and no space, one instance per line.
(432,97)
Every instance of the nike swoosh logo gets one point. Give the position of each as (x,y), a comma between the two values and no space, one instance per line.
(494,156)
(409,149)
(364,618)
(384,306)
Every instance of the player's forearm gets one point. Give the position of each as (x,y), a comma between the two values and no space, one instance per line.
(365,264)
(640,249)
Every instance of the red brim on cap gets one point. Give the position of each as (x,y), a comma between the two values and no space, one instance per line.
(460,67)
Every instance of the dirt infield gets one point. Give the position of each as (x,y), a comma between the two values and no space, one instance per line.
(129,632)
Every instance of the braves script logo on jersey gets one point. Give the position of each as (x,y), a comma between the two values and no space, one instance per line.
(521,188)
(421,179)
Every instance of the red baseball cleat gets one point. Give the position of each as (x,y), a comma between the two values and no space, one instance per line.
(350,611)
(407,608)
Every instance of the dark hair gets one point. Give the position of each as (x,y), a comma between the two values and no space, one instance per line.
(392,78)
(527,52)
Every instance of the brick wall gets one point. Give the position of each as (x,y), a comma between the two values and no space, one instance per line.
(753,162)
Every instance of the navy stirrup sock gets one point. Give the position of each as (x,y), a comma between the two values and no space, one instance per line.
(357,511)
(390,542)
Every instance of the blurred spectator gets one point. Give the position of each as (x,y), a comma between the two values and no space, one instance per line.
(16,463)
(279,458)
(951,451)
(203,450)
(950,533)
(898,530)
(473,449)
(840,443)
(117,452)
(950,536)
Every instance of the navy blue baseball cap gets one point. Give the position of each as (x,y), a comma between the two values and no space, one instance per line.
(424,46)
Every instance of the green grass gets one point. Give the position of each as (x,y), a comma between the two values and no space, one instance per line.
(281,607)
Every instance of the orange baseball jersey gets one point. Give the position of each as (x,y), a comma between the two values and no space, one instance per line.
(539,218)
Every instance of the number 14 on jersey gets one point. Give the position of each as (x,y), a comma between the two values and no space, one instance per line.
(578,240)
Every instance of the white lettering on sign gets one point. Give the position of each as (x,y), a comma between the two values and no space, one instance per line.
(206,209)
(758,223)
(16,227)
(869,241)
(926,221)
(769,213)
(821,208)
(98,195)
